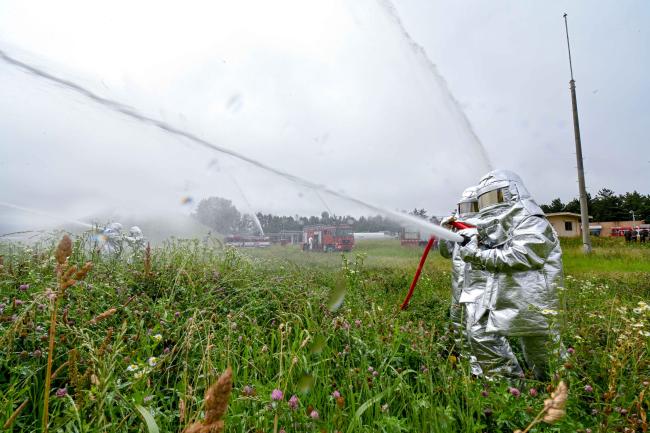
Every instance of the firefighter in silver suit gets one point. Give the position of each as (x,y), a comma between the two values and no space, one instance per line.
(135,239)
(112,239)
(467,208)
(519,252)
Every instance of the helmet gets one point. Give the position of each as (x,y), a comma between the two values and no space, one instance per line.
(468,204)
(135,231)
(500,187)
(116,227)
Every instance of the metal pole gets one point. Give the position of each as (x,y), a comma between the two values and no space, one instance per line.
(584,210)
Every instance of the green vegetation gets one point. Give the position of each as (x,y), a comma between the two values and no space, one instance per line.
(319,326)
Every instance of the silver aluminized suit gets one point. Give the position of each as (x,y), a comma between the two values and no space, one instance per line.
(459,273)
(520,253)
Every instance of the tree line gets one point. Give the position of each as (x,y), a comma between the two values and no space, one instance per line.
(222,216)
(607,206)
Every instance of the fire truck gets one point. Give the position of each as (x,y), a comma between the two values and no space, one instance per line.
(413,238)
(327,238)
(620,231)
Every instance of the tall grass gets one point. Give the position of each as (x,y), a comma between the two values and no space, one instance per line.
(144,338)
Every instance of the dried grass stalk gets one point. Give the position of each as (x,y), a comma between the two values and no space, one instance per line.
(58,370)
(14,415)
(104,315)
(216,403)
(81,273)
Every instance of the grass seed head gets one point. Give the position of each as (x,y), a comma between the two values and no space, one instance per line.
(63,250)
(216,403)
(555,406)
(104,315)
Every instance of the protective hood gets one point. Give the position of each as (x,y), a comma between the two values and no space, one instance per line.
(468,204)
(504,201)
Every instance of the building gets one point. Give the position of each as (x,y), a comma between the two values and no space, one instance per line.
(566,224)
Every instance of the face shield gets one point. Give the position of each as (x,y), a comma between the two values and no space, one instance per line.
(491,198)
(466,208)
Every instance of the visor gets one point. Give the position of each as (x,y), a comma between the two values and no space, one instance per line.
(491,198)
(467,207)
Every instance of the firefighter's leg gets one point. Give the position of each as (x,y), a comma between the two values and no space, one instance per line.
(538,350)
(493,352)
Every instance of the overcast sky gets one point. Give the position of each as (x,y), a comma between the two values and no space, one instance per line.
(336,92)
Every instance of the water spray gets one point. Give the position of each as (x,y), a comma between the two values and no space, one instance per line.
(434,229)
(45,214)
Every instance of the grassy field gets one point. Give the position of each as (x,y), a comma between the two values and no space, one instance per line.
(314,340)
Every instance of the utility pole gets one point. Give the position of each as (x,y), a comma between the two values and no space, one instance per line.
(584,209)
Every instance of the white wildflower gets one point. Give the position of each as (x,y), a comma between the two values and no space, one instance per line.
(132,367)
(152,361)
(157,337)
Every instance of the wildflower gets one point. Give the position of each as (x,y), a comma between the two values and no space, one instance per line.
(282,430)
(148,398)
(240,338)
(313,414)
(248,391)
(370,369)
(549,312)
(265,349)
(485,393)
(166,350)
(375,373)
(18,302)
(357,323)
(132,367)
(532,392)
(514,391)
(276,395)
(37,353)
(177,314)
(51,294)
(138,374)
(588,388)
(570,350)
(157,337)
(61,392)
(152,361)
(293,402)
(424,369)
(336,394)
(23,287)
(384,407)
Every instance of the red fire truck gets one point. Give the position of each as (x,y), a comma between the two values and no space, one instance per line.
(620,231)
(327,238)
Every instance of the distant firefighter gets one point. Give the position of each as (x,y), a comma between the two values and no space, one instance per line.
(135,239)
(112,239)
(520,252)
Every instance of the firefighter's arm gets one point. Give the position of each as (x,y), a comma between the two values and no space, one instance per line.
(528,248)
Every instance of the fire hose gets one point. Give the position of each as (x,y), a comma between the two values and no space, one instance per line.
(457,225)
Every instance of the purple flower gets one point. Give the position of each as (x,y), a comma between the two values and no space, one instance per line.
(336,394)
(370,369)
(588,388)
(37,353)
(485,393)
(248,391)
(147,399)
(514,391)
(276,395)
(375,373)
(313,414)
(166,350)
(61,392)
(532,392)
(357,323)
(177,314)
(293,402)
(23,287)
(18,302)
(571,350)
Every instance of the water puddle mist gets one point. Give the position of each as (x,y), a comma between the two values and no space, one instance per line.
(329,109)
